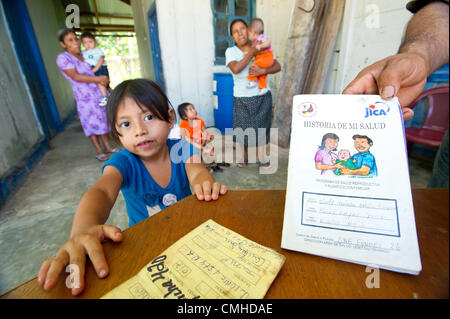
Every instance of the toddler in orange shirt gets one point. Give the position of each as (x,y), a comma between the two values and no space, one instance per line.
(263,60)
(193,129)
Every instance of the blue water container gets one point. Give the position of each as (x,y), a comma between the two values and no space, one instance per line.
(223,114)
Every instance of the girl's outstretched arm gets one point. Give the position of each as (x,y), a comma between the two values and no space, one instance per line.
(201,180)
(87,235)
(96,204)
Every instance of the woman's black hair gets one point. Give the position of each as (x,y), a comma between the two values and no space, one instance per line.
(87,35)
(324,138)
(233,22)
(182,109)
(63,32)
(147,95)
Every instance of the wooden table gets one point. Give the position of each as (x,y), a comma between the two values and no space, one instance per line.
(258,215)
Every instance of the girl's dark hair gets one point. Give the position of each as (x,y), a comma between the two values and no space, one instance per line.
(87,35)
(63,32)
(324,138)
(147,95)
(182,109)
(234,21)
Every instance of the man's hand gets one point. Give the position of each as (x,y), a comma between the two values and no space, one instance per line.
(403,75)
(74,252)
(424,49)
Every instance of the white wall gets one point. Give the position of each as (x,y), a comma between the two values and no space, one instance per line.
(187,50)
(371,30)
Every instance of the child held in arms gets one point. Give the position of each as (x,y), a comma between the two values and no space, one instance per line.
(95,57)
(264,59)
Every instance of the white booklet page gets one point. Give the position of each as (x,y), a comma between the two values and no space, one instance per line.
(348,191)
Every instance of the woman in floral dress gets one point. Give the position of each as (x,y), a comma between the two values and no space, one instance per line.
(86,92)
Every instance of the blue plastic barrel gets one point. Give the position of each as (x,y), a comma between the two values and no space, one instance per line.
(223,115)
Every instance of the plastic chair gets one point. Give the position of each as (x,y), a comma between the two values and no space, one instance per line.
(436,123)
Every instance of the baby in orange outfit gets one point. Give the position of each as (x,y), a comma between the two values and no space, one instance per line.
(263,60)
(193,129)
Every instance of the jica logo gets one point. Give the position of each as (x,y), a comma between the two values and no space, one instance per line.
(307,109)
(377,109)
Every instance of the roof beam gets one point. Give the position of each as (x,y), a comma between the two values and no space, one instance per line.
(96,14)
(104,15)
(108,30)
(99,26)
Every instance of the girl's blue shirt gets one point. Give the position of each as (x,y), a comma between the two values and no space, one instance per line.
(143,196)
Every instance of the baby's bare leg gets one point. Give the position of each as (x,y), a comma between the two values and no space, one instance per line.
(102,89)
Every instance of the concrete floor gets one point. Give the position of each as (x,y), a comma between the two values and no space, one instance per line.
(36,220)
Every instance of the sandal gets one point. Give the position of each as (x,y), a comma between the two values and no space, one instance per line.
(101,157)
(114,150)
(265,163)
(243,164)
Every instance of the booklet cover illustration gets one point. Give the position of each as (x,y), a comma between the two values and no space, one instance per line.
(348,192)
(362,163)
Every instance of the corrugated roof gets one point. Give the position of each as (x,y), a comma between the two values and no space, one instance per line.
(101,16)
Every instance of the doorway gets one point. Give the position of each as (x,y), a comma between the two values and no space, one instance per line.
(156,48)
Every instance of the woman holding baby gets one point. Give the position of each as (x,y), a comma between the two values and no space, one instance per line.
(252,107)
(86,92)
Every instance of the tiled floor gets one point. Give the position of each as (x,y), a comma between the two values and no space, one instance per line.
(37,219)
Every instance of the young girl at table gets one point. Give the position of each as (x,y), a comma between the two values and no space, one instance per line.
(153,172)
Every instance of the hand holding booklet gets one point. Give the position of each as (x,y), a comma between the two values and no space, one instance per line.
(348,191)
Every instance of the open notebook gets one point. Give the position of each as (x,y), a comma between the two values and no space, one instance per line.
(210,262)
(348,191)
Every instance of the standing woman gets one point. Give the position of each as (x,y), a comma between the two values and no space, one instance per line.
(250,110)
(86,92)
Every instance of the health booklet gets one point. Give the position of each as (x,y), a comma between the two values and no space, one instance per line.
(210,262)
(348,191)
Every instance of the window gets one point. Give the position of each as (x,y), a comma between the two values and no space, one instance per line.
(224,12)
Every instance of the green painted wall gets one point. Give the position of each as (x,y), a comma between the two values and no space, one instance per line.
(140,11)
(47,17)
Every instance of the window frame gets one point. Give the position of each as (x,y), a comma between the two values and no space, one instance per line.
(251,9)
